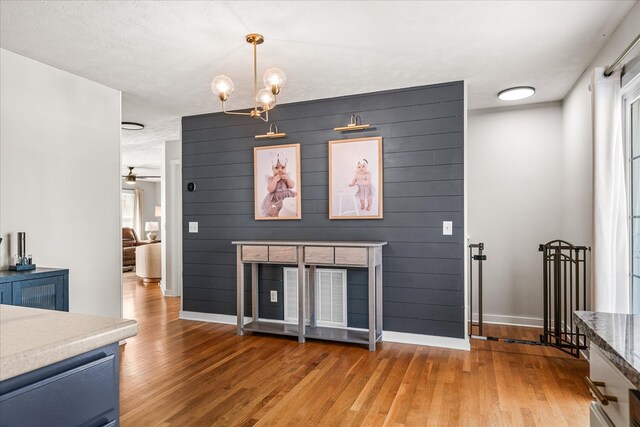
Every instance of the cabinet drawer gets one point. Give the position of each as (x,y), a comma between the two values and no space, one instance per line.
(255,253)
(616,384)
(351,256)
(288,254)
(318,255)
(86,393)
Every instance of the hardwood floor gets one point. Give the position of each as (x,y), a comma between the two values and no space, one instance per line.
(186,373)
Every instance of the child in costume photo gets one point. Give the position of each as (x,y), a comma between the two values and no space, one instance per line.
(362,179)
(278,186)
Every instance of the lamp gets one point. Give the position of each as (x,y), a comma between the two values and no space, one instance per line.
(354,124)
(264,99)
(152,228)
(273,133)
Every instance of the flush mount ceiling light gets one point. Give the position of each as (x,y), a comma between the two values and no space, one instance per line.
(131,126)
(264,99)
(516,93)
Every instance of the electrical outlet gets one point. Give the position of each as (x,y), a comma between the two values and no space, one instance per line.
(274,296)
(193,227)
(447,228)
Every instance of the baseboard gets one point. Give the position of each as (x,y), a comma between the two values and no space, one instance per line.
(227,319)
(168,293)
(388,336)
(499,319)
(428,340)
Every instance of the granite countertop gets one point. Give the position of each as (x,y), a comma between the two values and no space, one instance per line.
(31,338)
(618,335)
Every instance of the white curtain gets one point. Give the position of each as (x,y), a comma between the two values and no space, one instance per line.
(610,254)
(138,214)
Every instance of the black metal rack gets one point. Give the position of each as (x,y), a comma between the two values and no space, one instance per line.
(564,288)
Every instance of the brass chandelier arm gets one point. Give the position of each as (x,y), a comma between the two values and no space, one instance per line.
(255,113)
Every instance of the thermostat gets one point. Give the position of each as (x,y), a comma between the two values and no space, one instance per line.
(191,187)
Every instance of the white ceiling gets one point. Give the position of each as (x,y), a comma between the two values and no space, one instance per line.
(162,55)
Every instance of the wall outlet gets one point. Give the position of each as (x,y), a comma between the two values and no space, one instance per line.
(193,227)
(447,228)
(274,296)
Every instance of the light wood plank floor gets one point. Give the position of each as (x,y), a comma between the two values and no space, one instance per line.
(186,373)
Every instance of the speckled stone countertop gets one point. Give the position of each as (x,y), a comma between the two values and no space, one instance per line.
(618,335)
(31,338)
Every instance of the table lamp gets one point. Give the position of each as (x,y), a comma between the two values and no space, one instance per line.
(152,229)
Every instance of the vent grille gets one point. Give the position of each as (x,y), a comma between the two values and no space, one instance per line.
(43,296)
(331,301)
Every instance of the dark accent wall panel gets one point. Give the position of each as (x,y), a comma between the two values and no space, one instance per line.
(423,137)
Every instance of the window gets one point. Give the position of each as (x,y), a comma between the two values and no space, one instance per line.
(127,206)
(631,114)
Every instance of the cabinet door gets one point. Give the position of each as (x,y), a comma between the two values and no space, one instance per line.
(46,292)
(5,293)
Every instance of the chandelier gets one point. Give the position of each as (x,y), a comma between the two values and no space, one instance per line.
(264,100)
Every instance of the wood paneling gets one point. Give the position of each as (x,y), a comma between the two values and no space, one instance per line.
(186,373)
(423,137)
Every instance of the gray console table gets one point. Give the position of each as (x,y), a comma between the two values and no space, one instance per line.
(312,254)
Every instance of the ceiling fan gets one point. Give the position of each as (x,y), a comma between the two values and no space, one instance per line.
(131,177)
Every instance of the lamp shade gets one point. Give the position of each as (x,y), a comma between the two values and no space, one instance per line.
(151,226)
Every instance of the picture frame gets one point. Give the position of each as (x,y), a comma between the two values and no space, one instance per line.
(356,178)
(275,198)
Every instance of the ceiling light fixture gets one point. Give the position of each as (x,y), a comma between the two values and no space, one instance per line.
(516,93)
(132,126)
(264,99)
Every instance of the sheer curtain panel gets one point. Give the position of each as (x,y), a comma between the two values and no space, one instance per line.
(610,255)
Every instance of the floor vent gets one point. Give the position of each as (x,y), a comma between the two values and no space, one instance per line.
(331,301)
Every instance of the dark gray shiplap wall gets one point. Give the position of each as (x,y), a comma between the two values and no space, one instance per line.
(423,134)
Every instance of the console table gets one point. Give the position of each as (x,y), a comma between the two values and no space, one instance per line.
(312,254)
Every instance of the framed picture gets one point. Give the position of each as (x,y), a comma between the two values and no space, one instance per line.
(355,178)
(276,182)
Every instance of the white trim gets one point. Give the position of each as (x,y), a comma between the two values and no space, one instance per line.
(227,319)
(428,340)
(499,319)
(465,223)
(169,292)
(387,336)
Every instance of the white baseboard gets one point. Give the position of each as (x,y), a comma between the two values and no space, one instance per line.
(389,336)
(499,319)
(226,319)
(168,293)
(428,340)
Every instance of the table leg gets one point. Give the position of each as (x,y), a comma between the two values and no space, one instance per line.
(301,295)
(313,291)
(371,286)
(254,292)
(379,300)
(240,290)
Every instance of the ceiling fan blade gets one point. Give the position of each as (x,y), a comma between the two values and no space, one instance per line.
(148,176)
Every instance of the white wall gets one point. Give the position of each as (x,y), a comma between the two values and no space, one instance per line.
(151,198)
(171,224)
(515,201)
(577,137)
(60,177)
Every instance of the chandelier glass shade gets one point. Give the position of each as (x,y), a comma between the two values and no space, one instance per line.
(274,80)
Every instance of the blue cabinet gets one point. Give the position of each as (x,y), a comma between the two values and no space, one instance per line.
(81,391)
(5,293)
(46,288)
